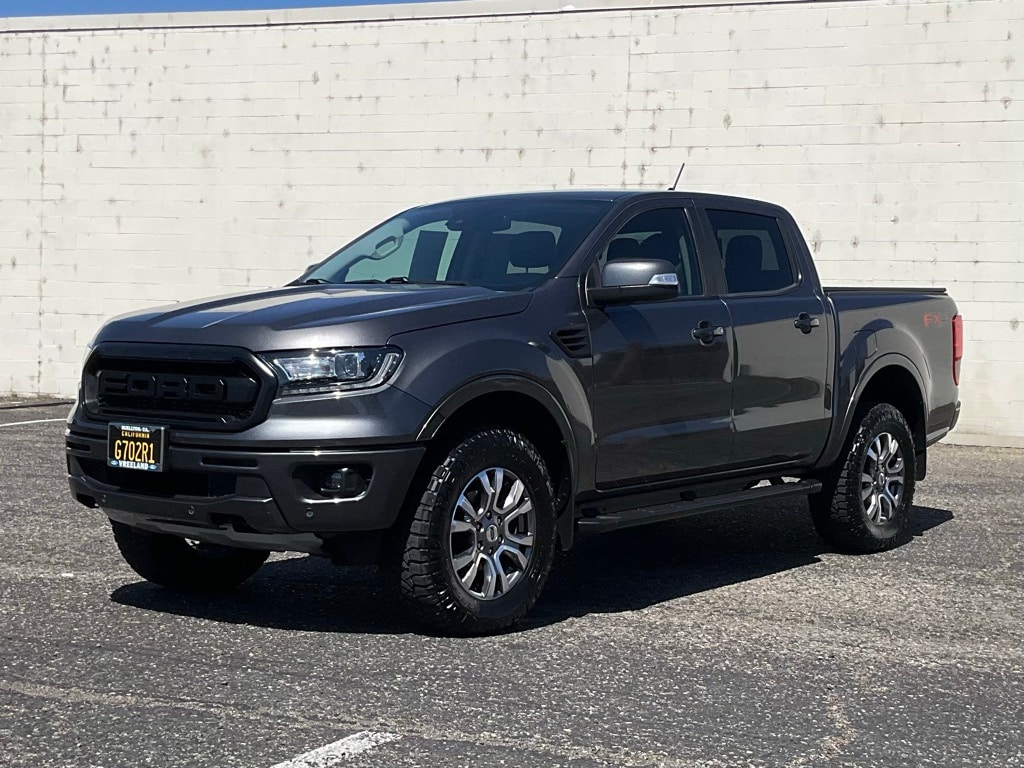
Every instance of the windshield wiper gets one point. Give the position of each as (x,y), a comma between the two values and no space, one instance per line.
(316,281)
(406,281)
(403,280)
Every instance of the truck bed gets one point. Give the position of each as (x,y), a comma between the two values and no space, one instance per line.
(911,326)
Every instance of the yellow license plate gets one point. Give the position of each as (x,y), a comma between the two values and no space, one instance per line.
(136,446)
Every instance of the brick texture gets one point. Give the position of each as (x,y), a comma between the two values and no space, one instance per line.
(150,164)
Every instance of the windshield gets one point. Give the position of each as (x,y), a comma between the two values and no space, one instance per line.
(505,244)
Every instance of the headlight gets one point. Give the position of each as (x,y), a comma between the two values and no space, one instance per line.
(334,370)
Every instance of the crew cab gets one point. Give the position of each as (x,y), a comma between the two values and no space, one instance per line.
(471,384)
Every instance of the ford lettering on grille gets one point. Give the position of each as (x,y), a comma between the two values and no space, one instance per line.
(162,386)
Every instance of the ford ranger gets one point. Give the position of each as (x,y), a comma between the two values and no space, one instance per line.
(465,388)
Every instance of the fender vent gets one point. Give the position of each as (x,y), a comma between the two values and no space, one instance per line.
(574,341)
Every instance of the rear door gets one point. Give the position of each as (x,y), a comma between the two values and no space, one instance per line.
(661,396)
(781,342)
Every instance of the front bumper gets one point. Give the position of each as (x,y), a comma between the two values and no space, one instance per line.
(266,499)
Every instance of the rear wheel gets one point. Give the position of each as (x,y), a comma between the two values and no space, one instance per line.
(178,563)
(481,540)
(866,500)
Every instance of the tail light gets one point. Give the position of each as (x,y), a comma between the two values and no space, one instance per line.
(958,346)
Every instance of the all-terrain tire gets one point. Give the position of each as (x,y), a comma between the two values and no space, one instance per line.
(173,562)
(425,569)
(857,510)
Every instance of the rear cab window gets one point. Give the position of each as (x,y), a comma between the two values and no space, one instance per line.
(753,251)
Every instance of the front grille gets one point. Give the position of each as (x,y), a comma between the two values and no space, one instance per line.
(217,388)
(174,483)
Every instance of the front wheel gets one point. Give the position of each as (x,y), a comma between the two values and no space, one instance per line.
(865,502)
(178,563)
(476,554)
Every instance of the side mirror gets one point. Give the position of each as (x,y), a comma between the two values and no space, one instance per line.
(628,280)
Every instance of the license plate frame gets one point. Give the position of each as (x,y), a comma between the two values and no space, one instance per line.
(136,447)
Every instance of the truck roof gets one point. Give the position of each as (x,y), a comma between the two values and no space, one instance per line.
(614,195)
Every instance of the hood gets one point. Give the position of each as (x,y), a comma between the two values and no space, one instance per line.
(315,316)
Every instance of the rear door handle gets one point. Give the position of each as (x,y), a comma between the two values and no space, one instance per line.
(806,323)
(705,333)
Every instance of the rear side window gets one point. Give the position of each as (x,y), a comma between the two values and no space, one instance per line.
(754,255)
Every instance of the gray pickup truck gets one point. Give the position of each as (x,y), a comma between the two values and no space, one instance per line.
(465,388)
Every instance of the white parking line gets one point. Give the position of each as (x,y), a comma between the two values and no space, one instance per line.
(34,421)
(339,751)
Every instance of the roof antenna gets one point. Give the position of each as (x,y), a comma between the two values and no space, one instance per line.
(678,177)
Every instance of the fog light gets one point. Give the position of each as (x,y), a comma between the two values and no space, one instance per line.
(345,482)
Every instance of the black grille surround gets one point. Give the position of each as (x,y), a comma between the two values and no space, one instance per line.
(225,389)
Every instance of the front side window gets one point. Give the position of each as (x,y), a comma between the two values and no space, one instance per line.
(505,244)
(754,254)
(662,233)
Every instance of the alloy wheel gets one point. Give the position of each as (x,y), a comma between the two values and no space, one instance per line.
(882,479)
(492,533)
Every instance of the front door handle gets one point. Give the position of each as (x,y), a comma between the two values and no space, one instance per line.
(806,323)
(705,333)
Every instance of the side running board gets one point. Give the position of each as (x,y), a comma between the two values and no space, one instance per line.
(613,521)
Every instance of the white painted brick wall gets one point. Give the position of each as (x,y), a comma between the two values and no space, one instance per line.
(181,156)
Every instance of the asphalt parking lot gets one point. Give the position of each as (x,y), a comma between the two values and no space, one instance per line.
(730,640)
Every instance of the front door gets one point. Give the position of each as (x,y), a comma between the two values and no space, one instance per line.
(661,395)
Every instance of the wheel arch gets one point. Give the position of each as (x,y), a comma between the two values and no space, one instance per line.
(892,379)
(527,407)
